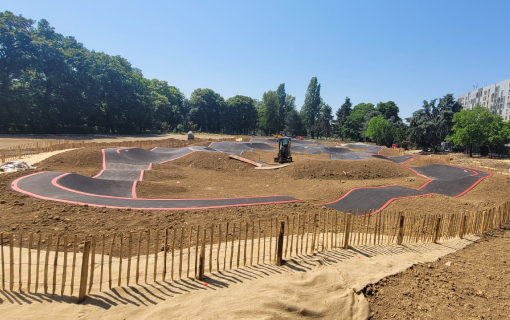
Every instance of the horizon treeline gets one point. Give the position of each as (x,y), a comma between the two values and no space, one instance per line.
(50,83)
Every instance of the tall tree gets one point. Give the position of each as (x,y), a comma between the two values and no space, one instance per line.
(354,123)
(206,110)
(268,113)
(311,109)
(325,120)
(281,106)
(341,115)
(240,115)
(431,124)
(388,109)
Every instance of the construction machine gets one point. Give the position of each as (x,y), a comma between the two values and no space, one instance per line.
(284,152)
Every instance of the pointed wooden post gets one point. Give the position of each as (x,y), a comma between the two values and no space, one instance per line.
(347,229)
(280,244)
(436,232)
(400,237)
(84,272)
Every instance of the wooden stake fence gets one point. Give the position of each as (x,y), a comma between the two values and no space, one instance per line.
(226,245)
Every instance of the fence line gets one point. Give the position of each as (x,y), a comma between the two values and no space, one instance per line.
(102,262)
(22,150)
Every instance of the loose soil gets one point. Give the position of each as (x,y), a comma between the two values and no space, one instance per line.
(215,175)
(469,284)
(424,161)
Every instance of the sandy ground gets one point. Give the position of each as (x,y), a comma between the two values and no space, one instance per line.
(326,285)
(15,140)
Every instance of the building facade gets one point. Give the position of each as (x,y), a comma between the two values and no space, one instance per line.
(494,96)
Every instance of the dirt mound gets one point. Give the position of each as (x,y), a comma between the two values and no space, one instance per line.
(86,161)
(207,161)
(423,161)
(389,152)
(348,170)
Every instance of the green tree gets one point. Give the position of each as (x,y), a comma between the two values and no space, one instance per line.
(354,123)
(240,115)
(341,116)
(380,131)
(431,124)
(479,127)
(325,120)
(282,96)
(311,109)
(293,124)
(388,110)
(206,110)
(268,113)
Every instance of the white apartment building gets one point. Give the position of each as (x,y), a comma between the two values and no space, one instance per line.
(494,96)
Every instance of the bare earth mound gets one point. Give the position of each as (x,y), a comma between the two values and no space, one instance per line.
(423,161)
(469,284)
(348,169)
(215,175)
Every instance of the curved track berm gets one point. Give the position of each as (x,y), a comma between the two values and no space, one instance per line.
(115,185)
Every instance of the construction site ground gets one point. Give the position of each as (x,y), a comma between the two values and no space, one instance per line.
(313,179)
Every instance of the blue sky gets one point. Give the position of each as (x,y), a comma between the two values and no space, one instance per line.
(370,51)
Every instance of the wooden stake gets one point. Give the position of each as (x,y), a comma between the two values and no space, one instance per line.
(165,250)
(307,234)
(137,278)
(110,257)
(232,245)
(119,281)
(436,232)
(173,254)
(252,242)
(270,239)
(147,254)
(347,230)
(30,243)
(130,245)
(84,270)
(201,264)
(226,247)
(211,248)
(287,241)
(245,243)
(55,263)
(258,246)
(218,249)
(280,244)
(189,250)
(75,250)
(196,251)
(239,243)
(64,270)
(297,236)
(20,264)
(156,249)
(46,261)
(400,230)
(181,244)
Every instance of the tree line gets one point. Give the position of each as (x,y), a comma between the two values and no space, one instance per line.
(50,83)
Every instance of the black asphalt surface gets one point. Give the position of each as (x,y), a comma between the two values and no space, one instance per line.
(115,185)
(447,180)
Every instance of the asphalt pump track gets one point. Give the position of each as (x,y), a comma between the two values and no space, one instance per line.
(116,184)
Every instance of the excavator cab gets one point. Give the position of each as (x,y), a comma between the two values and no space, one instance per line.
(284,153)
